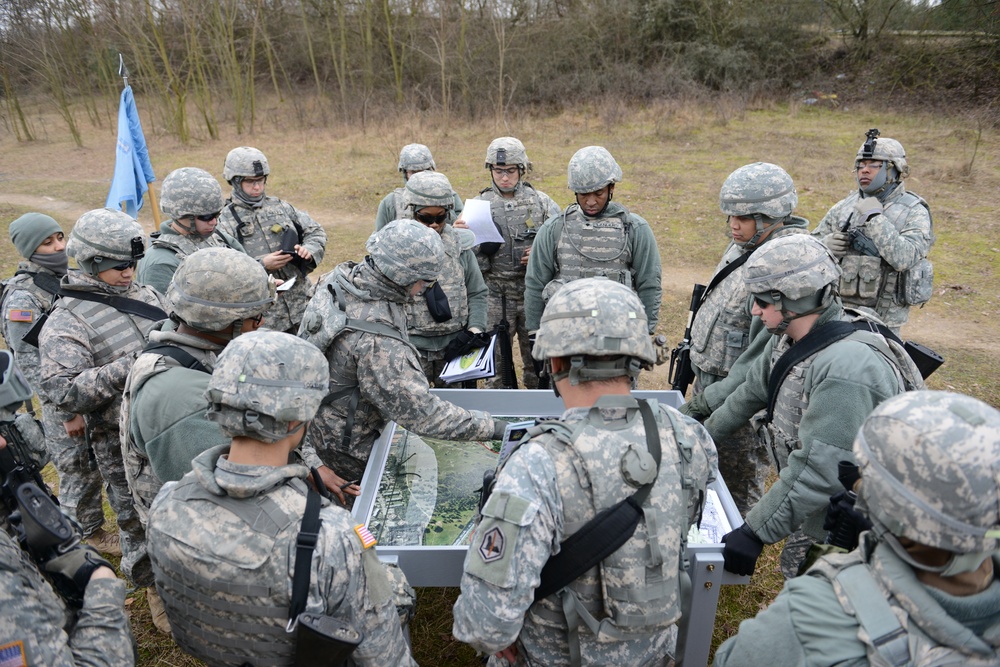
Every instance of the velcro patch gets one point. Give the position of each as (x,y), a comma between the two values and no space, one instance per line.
(492,546)
(12,655)
(367,539)
(20,316)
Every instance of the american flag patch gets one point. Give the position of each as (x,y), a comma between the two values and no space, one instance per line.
(20,316)
(367,539)
(12,655)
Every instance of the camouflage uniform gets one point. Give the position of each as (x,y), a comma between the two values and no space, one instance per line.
(552,484)
(247,518)
(720,331)
(902,232)
(259,227)
(186,192)
(23,302)
(616,243)
(87,349)
(36,628)
(376,375)
(517,217)
(935,485)
(819,405)
(417,158)
(459,278)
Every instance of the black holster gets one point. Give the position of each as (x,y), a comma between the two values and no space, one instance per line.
(324,641)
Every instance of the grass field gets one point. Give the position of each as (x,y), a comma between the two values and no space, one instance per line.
(674,157)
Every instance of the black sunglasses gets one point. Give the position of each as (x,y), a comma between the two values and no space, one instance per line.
(209,217)
(125,266)
(761,303)
(431,219)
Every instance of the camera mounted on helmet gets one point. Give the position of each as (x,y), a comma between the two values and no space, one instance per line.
(871,137)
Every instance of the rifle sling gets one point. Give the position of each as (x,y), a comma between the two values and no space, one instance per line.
(121,304)
(605,533)
(723,274)
(183,357)
(305,543)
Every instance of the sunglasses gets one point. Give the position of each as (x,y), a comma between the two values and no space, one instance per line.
(431,219)
(125,266)
(209,217)
(761,303)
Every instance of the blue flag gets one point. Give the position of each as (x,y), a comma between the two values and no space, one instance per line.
(132,167)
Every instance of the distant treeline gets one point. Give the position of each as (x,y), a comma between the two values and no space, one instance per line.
(205,62)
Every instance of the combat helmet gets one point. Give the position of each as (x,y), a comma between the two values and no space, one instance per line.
(14,388)
(600,325)
(245,162)
(263,381)
(189,192)
(217,287)
(415,157)
(893,157)
(930,471)
(592,168)
(796,273)
(104,238)
(507,151)
(405,251)
(762,191)
(428,188)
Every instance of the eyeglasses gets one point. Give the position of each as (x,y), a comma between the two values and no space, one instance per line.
(208,217)
(261,180)
(510,171)
(124,266)
(257,320)
(428,219)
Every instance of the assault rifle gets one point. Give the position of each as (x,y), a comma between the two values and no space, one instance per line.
(507,374)
(681,373)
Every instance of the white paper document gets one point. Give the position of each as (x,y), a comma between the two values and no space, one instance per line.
(287,285)
(476,364)
(480,221)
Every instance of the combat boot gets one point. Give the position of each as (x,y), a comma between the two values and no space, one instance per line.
(105,542)
(157,611)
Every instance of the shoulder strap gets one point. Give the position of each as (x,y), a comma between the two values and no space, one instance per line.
(305,543)
(874,614)
(811,343)
(46,282)
(179,355)
(605,533)
(723,274)
(239,221)
(121,304)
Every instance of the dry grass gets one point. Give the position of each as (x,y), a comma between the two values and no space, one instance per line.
(675,155)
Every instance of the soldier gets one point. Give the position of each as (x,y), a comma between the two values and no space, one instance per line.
(441,329)
(284,239)
(193,199)
(922,588)
(881,235)
(358,320)
(837,369)
(413,159)
(607,447)
(518,211)
(87,346)
(594,237)
(37,627)
(27,297)
(231,523)
(758,200)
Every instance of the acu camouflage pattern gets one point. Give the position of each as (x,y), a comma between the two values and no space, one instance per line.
(452,280)
(216,287)
(36,626)
(416,157)
(760,187)
(513,153)
(887,150)
(591,247)
(87,349)
(547,490)
(903,234)
(929,463)
(795,266)
(592,168)
(246,162)
(222,541)
(190,191)
(103,233)
(374,377)
(427,188)
(259,229)
(405,251)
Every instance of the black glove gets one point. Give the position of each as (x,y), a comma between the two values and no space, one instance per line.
(742,550)
(437,303)
(72,569)
(489,248)
(844,522)
(466,342)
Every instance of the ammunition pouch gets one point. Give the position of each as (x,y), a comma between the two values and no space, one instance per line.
(324,641)
(915,285)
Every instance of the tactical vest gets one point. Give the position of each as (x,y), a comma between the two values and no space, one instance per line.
(721,329)
(25,280)
(114,333)
(452,280)
(517,219)
(401,208)
(888,632)
(260,229)
(873,283)
(182,245)
(636,590)
(590,247)
(237,615)
(142,481)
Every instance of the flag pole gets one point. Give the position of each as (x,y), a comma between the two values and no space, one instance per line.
(123,73)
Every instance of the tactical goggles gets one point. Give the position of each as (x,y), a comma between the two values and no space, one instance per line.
(208,217)
(428,219)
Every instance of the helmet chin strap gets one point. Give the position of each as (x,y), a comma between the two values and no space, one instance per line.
(763,231)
